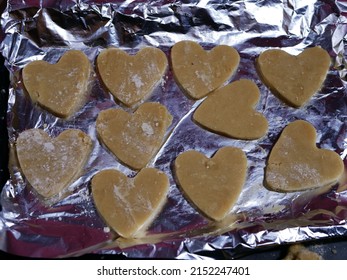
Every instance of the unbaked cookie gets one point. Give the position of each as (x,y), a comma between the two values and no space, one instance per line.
(300,252)
(212,184)
(296,164)
(134,138)
(199,72)
(60,88)
(230,111)
(129,205)
(51,164)
(131,78)
(294,78)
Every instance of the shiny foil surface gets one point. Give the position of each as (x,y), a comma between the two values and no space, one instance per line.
(33,30)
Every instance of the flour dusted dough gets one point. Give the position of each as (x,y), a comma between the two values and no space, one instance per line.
(134,138)
(200,72)
(51,164)
(296,164)
(230,111)
(130,78)
(60,88)
(212,184)
(129,205)
(294,78)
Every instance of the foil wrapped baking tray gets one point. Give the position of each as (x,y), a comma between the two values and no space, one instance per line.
(33,30)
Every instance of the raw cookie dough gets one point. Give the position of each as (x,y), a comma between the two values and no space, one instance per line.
(300,252)
(230,111)
(130,78)
(199,72)
(294,78)
(134,138)
(296,164)
(60,88)
(51,164)
(129,205)
(212,184)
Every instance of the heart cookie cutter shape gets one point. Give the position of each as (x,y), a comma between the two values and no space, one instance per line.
(52,164)
(296,164)
(230,111)
(214,184)
(199,72)
(295,79)
(131,78)
(134,138)
(129,205)
(60,88)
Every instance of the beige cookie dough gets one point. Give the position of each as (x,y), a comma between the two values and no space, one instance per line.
(129,205)
(214,184)
(300,252)
(294,78)
(134,138)
(230,111)
(131,78)
(52,164)
(60,88)
(199,72)
(296,164)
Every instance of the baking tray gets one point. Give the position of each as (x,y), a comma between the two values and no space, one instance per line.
(260,218)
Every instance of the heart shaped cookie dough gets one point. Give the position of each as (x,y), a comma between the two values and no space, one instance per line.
(199,72)
(212,184)
(130,78)
(51,164)
(230,111)
(294,78)
(134,138)
(60,88)
(129,205)
(296,164)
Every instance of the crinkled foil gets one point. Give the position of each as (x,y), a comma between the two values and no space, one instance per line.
(46,29)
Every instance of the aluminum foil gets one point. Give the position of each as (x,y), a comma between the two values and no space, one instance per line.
(46,29)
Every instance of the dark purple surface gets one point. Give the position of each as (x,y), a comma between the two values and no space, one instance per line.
(4,83)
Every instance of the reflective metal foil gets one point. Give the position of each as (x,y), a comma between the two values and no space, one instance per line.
(35,30)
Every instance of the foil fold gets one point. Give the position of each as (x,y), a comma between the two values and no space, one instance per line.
(46,29)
